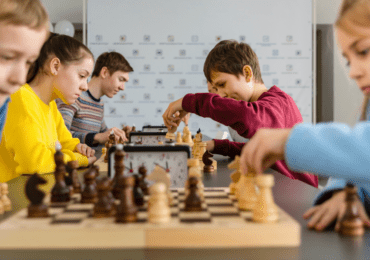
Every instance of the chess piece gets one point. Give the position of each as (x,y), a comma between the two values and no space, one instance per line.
(127,210)
(247,194)
(208,167)
(178,138)
(36,209)
(351,224)
(186,138)
(159,174)
(89,194)
(265,209)
(119,168)
(60,192)
(195,171)
(158,205)
(170,135)
(193,201)
(235,176)
(143,184)
(105,206)
(109,144)
(138,193)
(73,176)
(7,204)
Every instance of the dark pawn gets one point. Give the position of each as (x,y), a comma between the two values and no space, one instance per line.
(89,194)
(73,176)
(351,224)
(193,201)
(138,193)
(104,207)
(36,209)
(143,184)
(60,191)
(208,167)
(119,168)
(126,210)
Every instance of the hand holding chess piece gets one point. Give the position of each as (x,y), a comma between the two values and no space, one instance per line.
(36,209)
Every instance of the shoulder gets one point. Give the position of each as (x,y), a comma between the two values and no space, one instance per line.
(23,100)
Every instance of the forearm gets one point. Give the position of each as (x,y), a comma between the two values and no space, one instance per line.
(330,150)
(227,148)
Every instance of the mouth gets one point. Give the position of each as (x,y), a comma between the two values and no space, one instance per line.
(365,89)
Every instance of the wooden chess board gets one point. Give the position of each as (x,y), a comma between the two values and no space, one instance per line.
(219,224)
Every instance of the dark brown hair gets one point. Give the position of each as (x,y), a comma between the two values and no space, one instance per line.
(65,48)
(230,57)
(24,12)
(114,61)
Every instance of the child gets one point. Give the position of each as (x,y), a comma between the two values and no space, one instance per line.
(21,22)
(34,125)
(85,118)
(328,149)
(239,99)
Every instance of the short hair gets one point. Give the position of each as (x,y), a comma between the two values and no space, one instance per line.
(24,12)
(230,57)
(67,49)
(114,61)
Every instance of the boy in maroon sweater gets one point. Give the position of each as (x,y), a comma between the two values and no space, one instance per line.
(238,98)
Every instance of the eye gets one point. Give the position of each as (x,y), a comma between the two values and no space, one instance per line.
(82,76)
(5,57)
(364,52)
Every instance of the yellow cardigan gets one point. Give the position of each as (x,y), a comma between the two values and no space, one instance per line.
(29,136)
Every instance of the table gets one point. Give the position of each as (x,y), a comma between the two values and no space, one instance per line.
(293,196)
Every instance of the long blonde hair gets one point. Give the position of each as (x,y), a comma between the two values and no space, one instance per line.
(353,15)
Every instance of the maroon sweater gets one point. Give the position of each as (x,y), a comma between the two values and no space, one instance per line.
(273,109)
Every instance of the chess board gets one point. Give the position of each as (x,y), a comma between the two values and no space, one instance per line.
(219,224)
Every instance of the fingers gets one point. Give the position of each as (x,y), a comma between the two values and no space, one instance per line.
(309,212)
(327,218)
(316,217)
(90,152)
(119,134)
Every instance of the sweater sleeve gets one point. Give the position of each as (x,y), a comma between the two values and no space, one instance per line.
(244,117)
(68,113)
(331,150)
(227,148)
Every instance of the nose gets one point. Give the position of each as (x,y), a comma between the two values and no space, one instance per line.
(84,86)
(18,74)
(357,69)
(122,87)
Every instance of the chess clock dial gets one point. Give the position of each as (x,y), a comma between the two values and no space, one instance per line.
(147,138)
(172,158)
(155,128)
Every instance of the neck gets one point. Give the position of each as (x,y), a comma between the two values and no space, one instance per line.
(44,88)
(95,87)
(258,90)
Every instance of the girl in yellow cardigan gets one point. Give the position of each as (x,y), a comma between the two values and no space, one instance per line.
(34,124)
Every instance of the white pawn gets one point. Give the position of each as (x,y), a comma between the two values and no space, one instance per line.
(179,138)
(265,209)
(158,208)
(4,197)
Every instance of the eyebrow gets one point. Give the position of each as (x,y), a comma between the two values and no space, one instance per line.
(88,73)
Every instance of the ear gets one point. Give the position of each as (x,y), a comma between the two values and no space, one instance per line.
(248,73)
(55,66)
(104,72)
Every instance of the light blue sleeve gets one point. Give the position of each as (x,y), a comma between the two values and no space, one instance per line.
(332,186)
(331,149)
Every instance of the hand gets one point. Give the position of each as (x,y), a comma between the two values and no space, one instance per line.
(186,118)
(92,160)
(210,145)
(174,114)
(333,209)
(265,148)
(102,138)
(85,150)
(127,129)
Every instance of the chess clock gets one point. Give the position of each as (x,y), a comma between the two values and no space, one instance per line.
(155,128)
(172,158)
(147,138)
